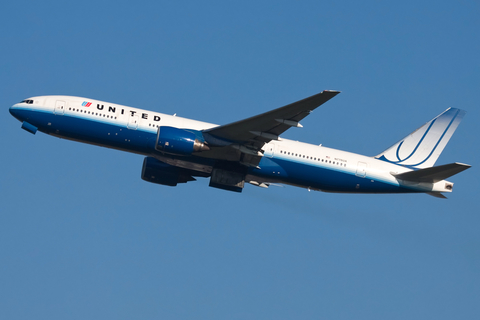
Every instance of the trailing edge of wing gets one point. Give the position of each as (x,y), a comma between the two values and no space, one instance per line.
(433,174)
(265,127)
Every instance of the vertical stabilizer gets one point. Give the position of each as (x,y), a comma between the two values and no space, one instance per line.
(422,147)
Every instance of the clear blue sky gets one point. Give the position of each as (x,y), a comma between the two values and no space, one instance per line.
(83,237)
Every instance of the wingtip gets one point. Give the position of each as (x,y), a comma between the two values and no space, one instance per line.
(332,91)
(463,164)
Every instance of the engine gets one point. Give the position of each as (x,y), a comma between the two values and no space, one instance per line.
(158,172)
(179,141)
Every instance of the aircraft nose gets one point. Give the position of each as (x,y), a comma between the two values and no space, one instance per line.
(14,111)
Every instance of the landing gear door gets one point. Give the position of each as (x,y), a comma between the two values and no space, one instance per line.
(59,107)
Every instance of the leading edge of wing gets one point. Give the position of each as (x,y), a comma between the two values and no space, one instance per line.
(269,125)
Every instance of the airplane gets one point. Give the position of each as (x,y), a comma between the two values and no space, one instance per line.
(250,151)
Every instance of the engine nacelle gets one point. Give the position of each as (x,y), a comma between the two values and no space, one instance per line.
(179,141)
(161,173)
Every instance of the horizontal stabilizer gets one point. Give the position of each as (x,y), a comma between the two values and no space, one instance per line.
(437,195)
(433,174)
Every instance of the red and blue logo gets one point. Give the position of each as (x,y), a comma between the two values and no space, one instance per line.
(86,104)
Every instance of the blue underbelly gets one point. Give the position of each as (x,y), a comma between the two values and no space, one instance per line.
(107,134)
(334,179)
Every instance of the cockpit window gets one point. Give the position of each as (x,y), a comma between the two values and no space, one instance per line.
(27,101)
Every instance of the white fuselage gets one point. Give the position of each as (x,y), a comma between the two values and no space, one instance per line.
(284,161)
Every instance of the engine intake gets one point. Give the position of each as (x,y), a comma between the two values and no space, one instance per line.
(179,141)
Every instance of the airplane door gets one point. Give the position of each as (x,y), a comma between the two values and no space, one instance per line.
(361,170)
(270,150)
(133,122)
(59,107)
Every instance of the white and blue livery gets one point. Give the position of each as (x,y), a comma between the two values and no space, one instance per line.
(177,150)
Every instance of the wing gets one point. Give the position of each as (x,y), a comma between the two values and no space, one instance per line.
(254,132)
